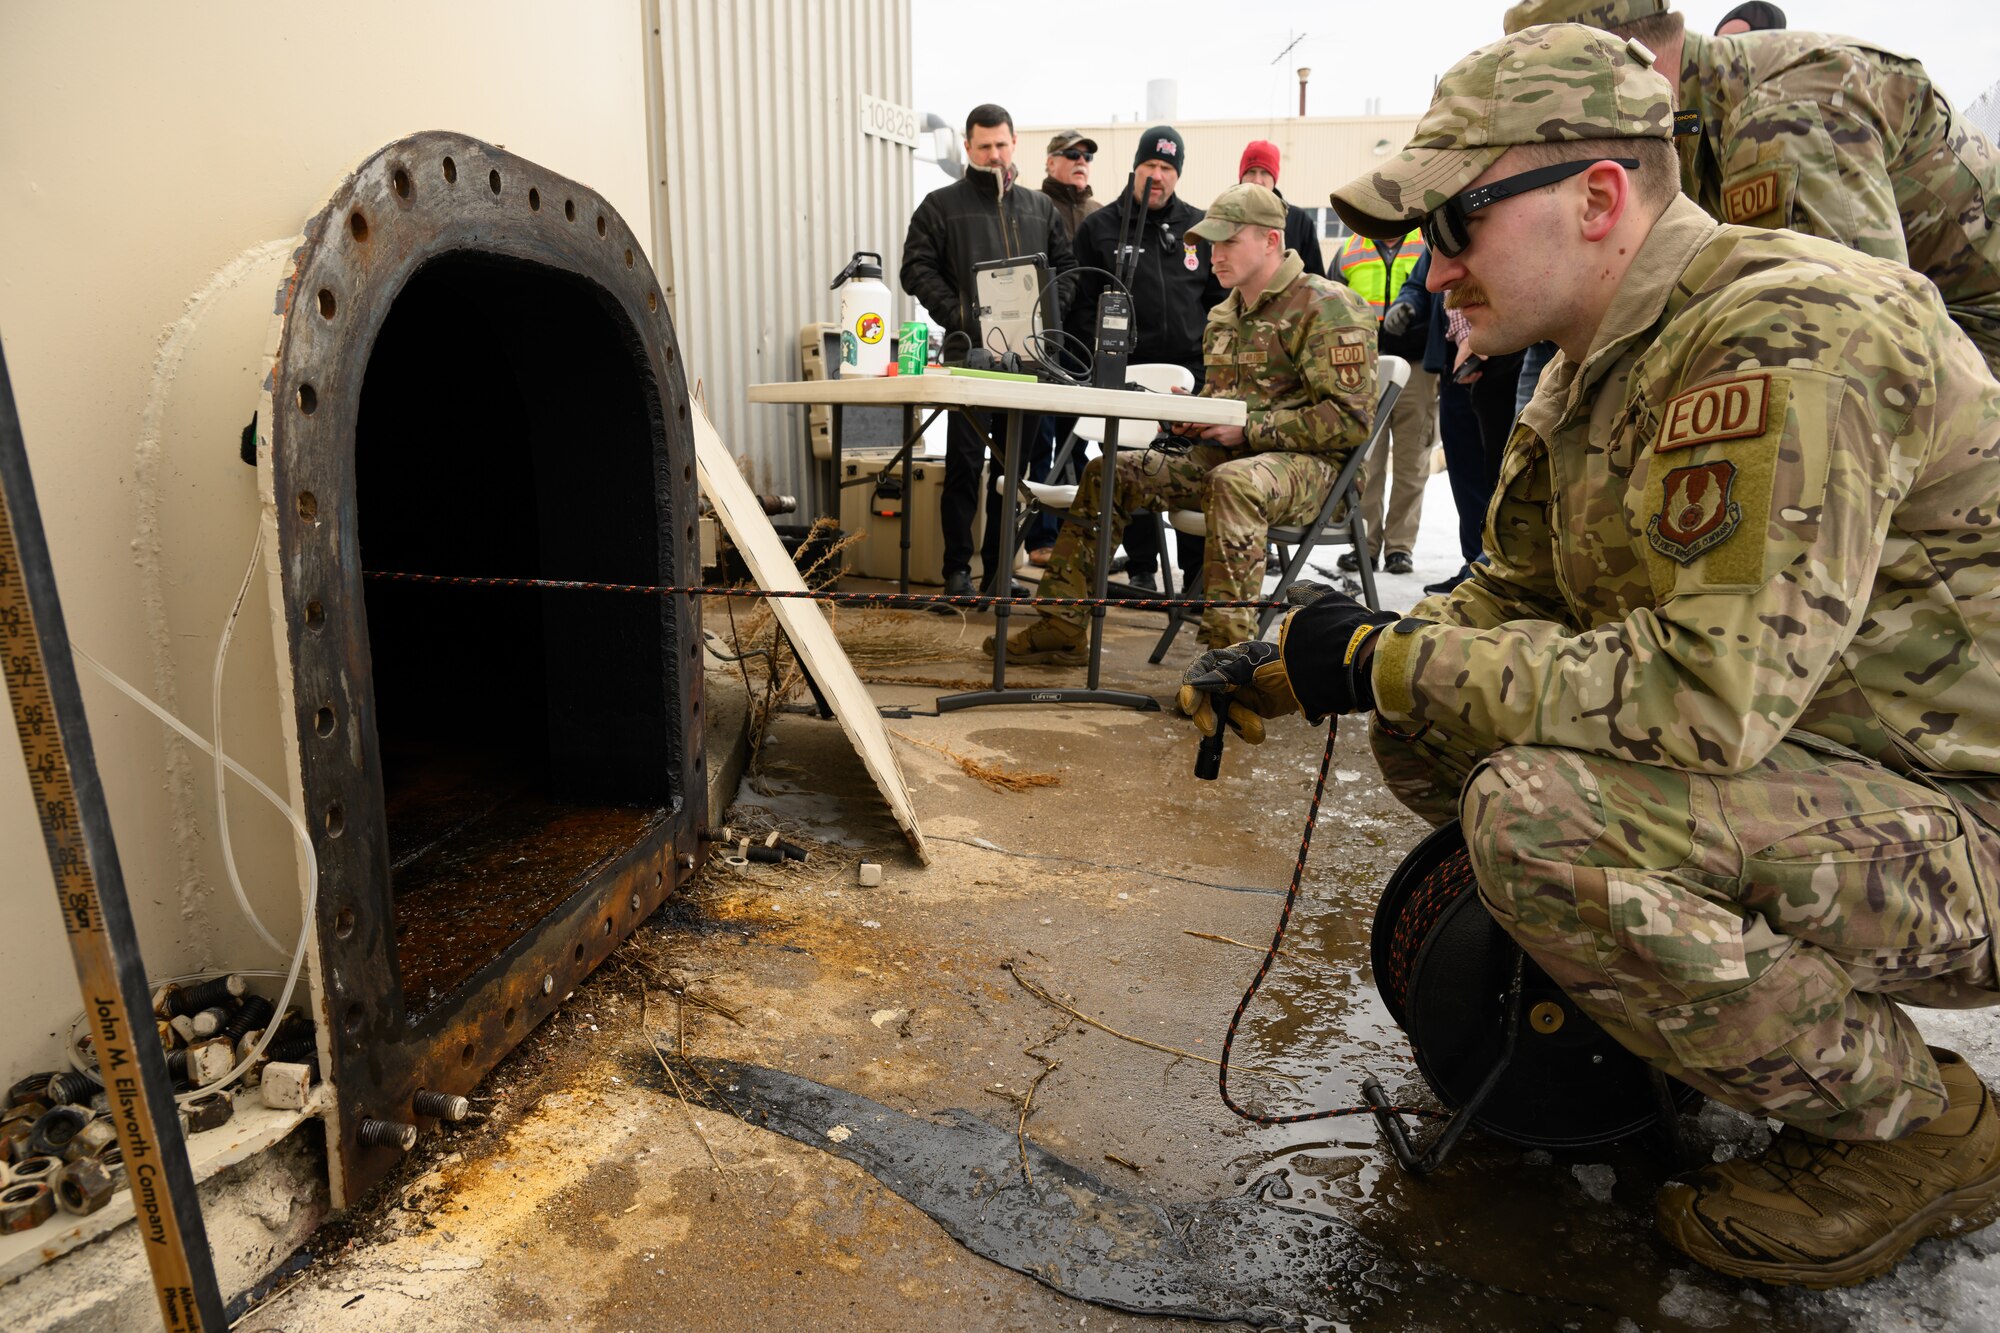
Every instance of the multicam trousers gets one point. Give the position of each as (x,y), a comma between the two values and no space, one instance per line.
(1754,935)
(1243,495)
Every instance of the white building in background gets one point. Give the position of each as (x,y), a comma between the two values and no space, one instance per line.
(1318,154)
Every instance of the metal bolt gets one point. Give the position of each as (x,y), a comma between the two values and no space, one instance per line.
(254,1012)
(685,860)
(548,983)
(70,1088)
(213,993)
(209,1021)
(441,1105)
(388,1134)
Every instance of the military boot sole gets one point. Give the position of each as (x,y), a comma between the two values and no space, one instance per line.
(1967,1208)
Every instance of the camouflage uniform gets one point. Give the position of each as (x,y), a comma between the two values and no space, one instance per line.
(1301,355)
(1722,716)
(1836,138)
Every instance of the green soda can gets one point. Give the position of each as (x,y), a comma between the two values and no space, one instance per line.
(913,348)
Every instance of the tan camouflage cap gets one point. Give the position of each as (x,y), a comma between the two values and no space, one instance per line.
(1237,206)
(1597,13)
(1547,84)
(1071,139)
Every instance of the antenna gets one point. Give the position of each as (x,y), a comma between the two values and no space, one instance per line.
(1288,48)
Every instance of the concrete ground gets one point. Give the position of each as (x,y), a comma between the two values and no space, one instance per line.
(586,1199)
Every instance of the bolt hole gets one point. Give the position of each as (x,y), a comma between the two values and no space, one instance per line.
(602,227)
(681,409)
(343,923)
(336,820)
(577,953)
(653,302)
(309,506)
(323,722)
(635,897)
(535,200)
(687,472)
(548,983)
(399,180)
(670,354)
(355,1020)
(325,304)
(308,399)
(465,1055)
(450,172)
(607,925)
(507,1019)
(315,616)
(569,210)
(628,258)
(357,223)
(493,181)
(659,878)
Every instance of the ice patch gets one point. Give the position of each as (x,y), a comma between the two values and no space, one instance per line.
(1694,1305)
(1596,1180)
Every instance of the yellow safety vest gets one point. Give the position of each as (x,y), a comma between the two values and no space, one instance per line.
(1360,267)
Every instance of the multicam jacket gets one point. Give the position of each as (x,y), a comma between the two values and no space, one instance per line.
(1301,356)
(1767,503)
(1834,138)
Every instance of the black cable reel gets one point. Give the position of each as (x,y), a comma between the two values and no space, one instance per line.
(1494,1038)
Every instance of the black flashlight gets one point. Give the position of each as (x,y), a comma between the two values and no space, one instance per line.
(1208,758)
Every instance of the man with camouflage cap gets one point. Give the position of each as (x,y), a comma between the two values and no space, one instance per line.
(1300,352)
(1828,136)
(1722,718)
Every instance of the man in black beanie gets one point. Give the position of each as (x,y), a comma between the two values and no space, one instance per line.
(1756,16)
(1172,289)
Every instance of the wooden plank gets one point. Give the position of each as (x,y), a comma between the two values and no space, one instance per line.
(804,623)
(1000,395)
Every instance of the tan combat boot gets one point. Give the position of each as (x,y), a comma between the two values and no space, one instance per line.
(1815,1212)
(1048,641)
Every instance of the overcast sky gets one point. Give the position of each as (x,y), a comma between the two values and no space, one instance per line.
(1060,61)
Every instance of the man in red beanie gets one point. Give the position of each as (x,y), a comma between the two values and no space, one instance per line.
(1259,166)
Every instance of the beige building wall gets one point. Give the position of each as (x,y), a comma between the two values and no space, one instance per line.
(1317,153)
(155,162)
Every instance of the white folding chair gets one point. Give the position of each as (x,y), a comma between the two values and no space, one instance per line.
(1159,378)
(1391,374)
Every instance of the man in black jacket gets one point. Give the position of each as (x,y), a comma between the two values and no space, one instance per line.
(1259,166)
(1172,290)
(979,218)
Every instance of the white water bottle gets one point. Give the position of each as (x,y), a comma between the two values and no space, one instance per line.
(864,316)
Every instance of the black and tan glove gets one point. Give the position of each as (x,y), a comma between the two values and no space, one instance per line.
(1250,677)
(1318,664)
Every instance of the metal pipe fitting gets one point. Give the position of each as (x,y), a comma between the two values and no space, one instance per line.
(441,1105)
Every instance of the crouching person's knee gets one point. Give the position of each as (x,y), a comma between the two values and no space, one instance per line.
(1529,813)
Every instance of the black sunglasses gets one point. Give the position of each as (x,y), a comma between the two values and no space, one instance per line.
(1078,154)
(1444,227)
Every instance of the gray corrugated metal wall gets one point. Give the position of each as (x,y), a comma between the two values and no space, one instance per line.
(770,187)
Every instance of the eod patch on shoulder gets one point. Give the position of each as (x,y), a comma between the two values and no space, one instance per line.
(1715,457)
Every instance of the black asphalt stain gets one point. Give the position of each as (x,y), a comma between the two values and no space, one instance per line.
(1243,1258)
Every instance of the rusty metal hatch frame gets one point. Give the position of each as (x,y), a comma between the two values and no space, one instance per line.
(419,199)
